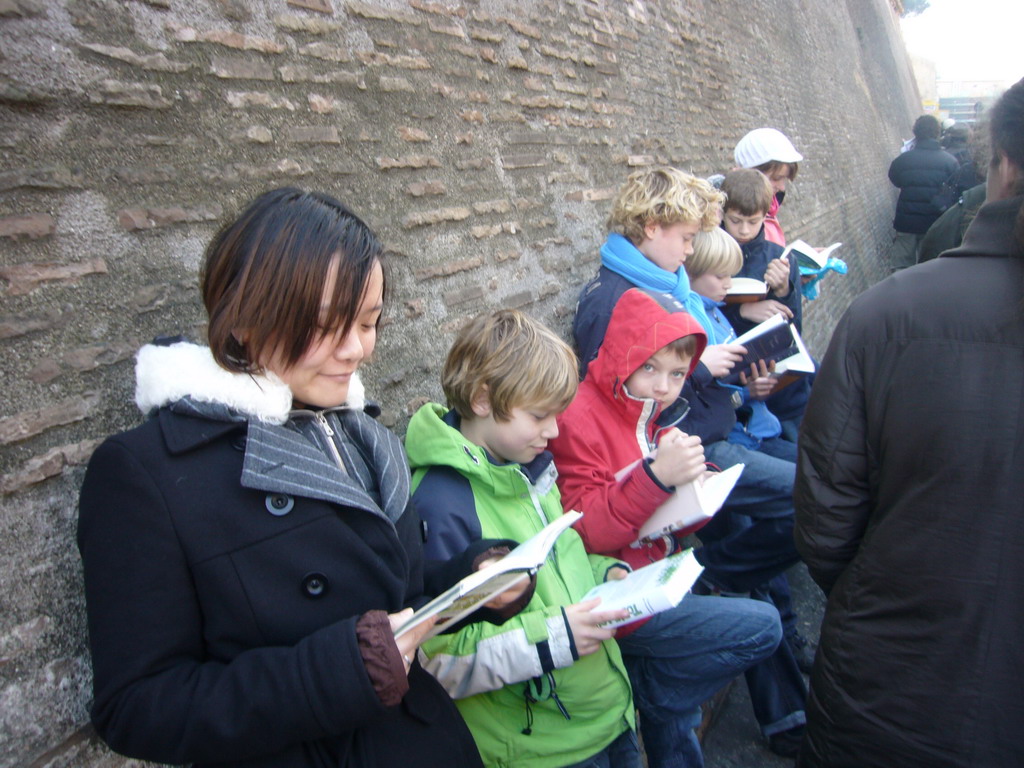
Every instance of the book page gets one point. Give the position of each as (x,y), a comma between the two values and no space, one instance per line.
(800,363)
(478,588)
(649,590)
(459,601)
(809,256)
(744,289)
(690,504)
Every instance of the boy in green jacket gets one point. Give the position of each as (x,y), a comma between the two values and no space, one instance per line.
(546,689)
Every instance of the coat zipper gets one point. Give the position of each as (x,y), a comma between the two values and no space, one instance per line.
(320,419)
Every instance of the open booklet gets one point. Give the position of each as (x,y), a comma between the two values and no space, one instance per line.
(776,339)
(649,590)
(745,289)
(690,506)
(476,589)
(807,255)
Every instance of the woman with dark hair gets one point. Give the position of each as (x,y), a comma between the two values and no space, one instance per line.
(910,501)
(249,549)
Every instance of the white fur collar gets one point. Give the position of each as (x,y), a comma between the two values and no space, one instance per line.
(165,374)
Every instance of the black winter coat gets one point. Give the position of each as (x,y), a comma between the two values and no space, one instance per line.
(919,173)
(910,515)
(222,618)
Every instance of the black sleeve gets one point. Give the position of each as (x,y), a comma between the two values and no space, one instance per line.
(159,696)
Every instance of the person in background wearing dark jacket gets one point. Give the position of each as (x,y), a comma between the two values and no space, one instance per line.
(948,230)
(910,501)
(957,141)
(249,550)
(919,174)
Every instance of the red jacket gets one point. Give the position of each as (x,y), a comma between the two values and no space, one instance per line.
(772,228)
(606,429)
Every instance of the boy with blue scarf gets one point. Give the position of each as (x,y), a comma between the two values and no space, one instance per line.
(654,219)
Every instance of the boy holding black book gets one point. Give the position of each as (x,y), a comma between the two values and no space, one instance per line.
(748,199)
(763,498)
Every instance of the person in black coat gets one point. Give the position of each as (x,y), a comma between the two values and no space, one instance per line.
(957,141)
(919,173)
(910,498)
(250,548)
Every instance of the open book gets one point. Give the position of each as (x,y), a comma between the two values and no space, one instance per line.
(649,590)
(807,255)
(776,339)
(744,289)
(690,506)
(476,589)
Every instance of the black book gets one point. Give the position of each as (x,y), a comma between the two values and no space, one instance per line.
(775,340)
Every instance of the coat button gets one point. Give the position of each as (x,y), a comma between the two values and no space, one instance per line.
(279,504)
(314,584)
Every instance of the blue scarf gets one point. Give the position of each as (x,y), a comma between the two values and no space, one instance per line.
(622,257)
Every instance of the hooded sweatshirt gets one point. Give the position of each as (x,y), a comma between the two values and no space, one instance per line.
(605,429)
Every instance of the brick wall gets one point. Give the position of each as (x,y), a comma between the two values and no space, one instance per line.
(483,139)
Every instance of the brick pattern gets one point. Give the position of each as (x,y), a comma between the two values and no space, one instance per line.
(483,146)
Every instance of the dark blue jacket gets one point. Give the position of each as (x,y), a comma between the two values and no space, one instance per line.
(919,173)
(756,256)
(593,311)
(789,402)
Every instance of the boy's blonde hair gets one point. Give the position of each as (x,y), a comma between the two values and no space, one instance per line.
(748,191)
(714,251)
(663,196)
(520,361)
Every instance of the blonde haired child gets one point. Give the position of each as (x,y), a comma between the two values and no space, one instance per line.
(749,543)
(654,218)
(663,196)
(547,688)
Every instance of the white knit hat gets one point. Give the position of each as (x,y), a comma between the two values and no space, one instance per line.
(763,145)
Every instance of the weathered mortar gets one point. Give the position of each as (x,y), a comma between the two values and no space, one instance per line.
(482,139)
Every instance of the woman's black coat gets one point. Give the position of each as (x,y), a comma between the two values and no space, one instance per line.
(222,618)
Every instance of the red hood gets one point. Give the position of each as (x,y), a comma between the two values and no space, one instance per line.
(640,325)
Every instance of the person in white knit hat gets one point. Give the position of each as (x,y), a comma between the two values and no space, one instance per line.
(771,152)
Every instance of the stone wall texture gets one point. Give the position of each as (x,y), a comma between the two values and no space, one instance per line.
(482,139)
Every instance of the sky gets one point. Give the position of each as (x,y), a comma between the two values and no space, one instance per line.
(970,39)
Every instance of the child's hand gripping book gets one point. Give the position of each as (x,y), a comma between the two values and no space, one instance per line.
(479,588)
(649,590)
(775,340)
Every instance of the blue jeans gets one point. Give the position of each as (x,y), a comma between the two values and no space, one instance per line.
(681,657)
(778,693)
(624,752)
(750,541)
